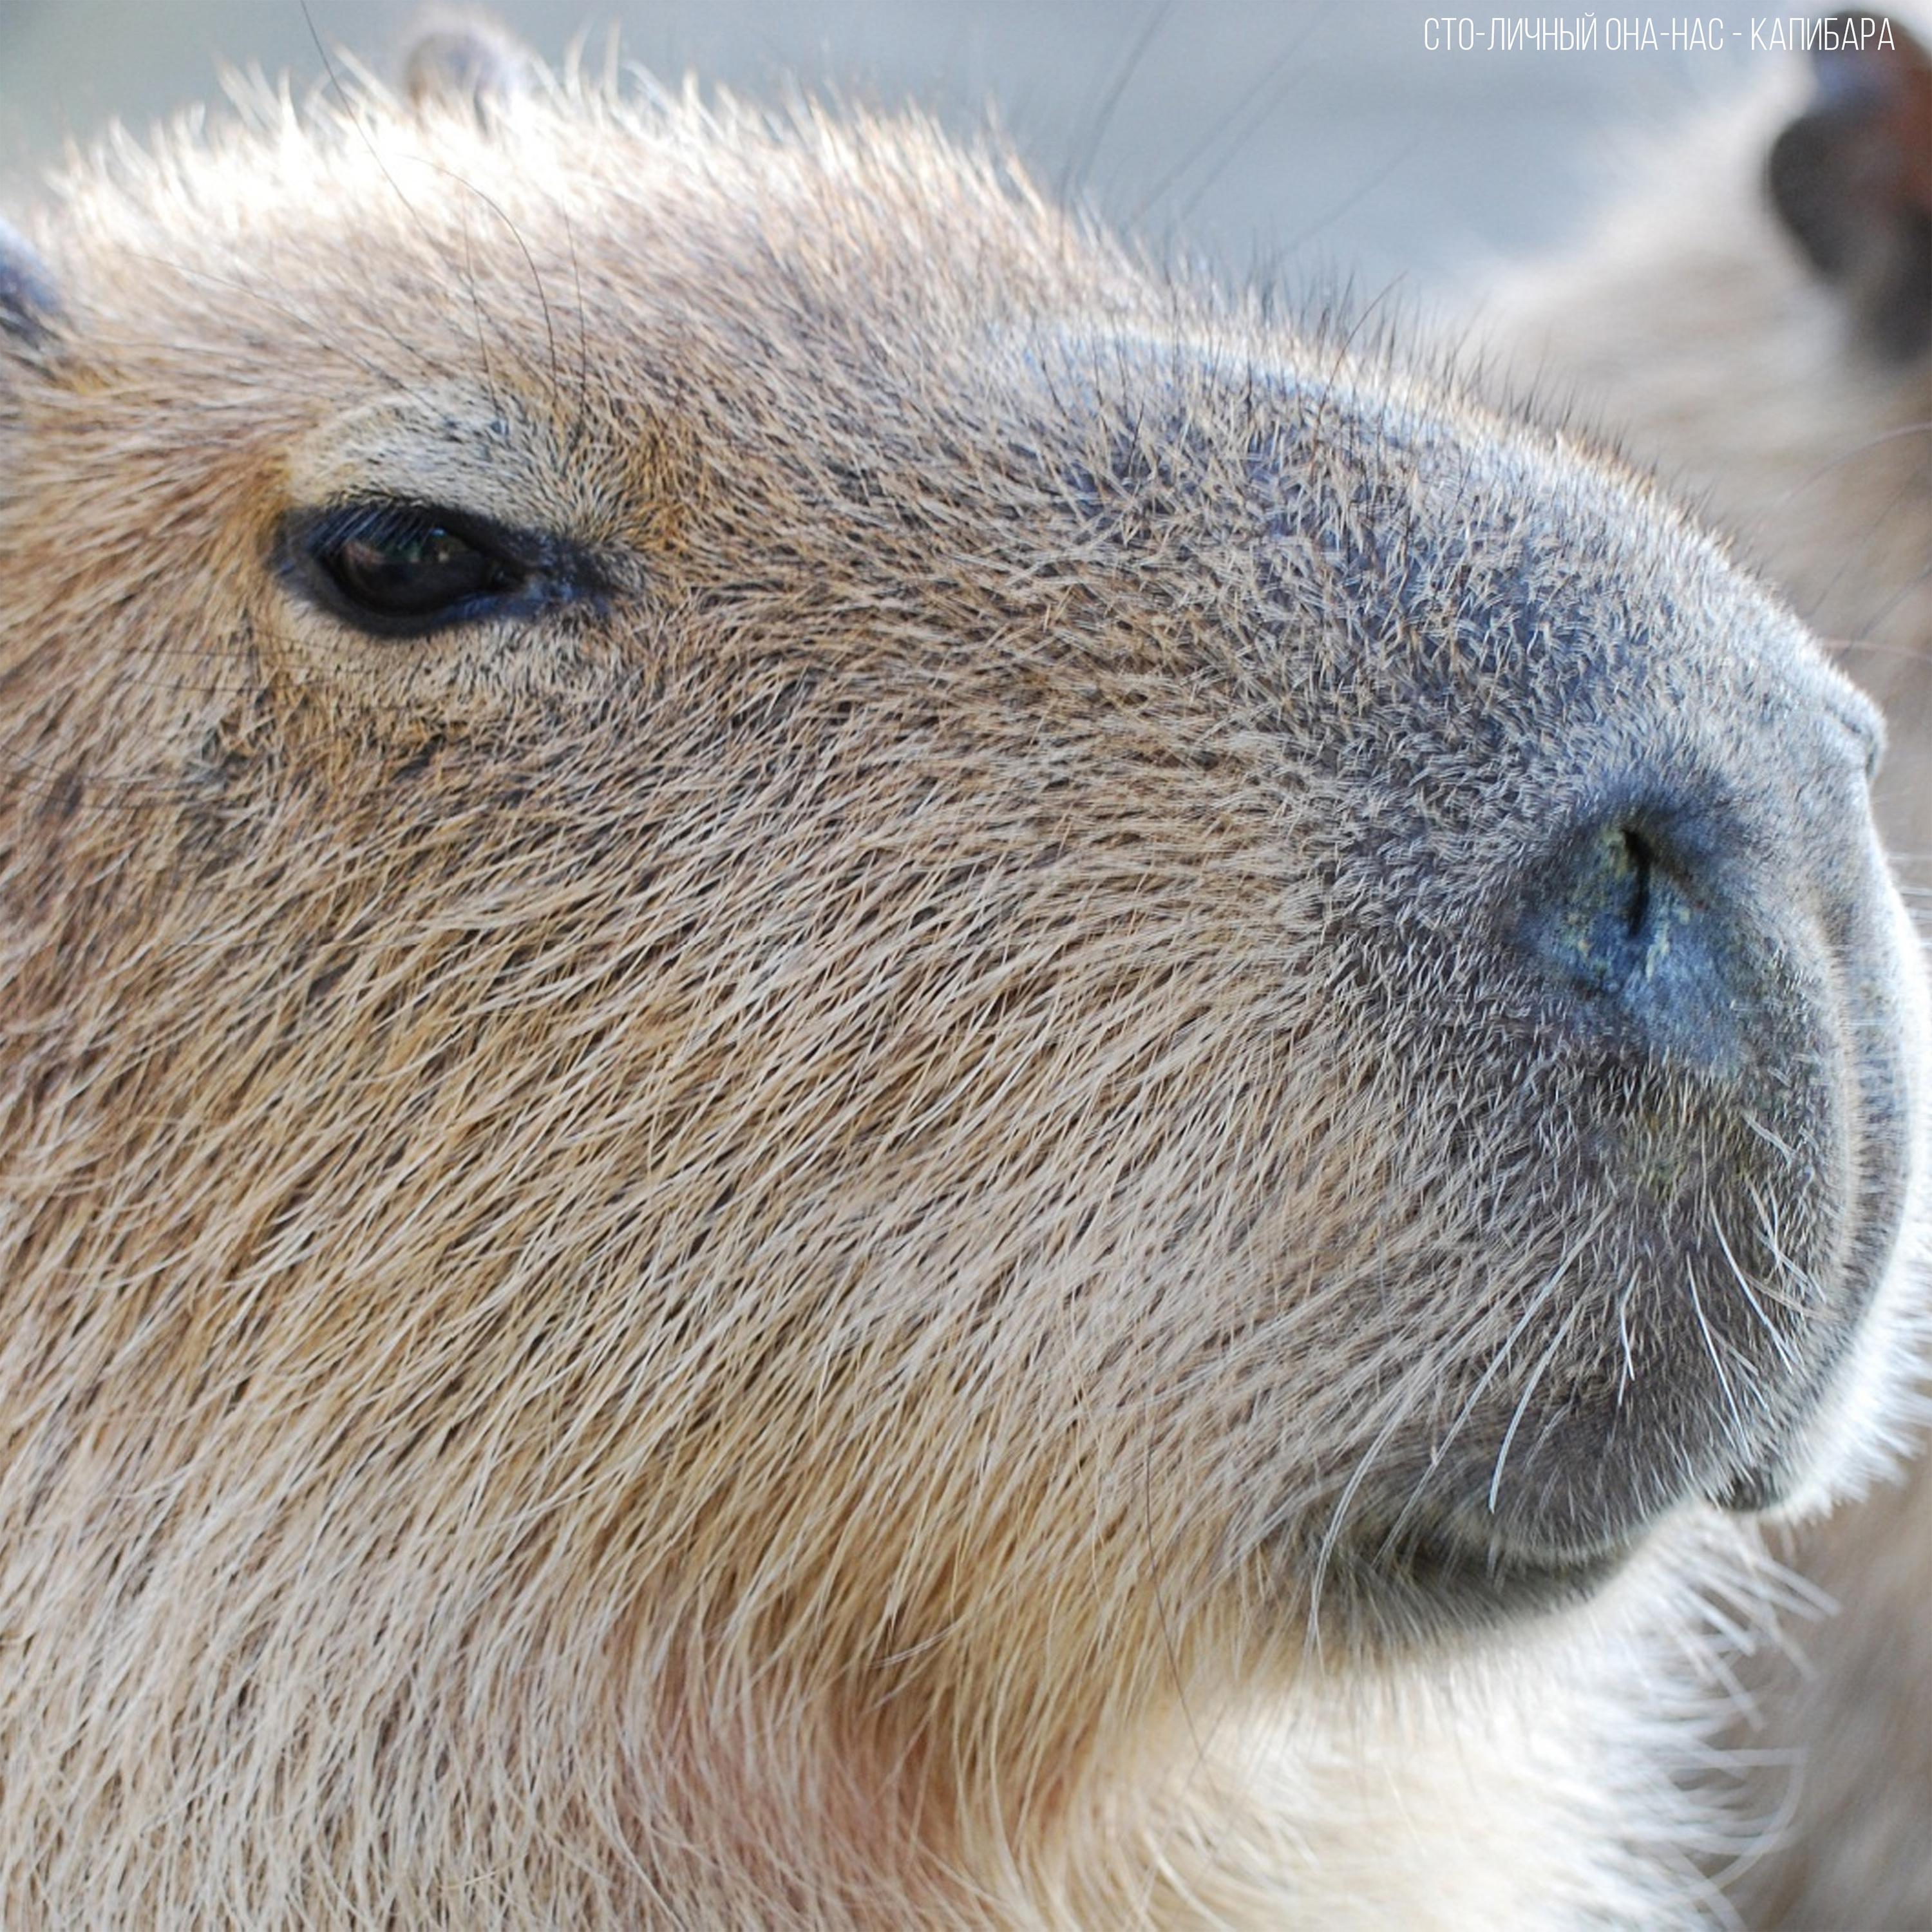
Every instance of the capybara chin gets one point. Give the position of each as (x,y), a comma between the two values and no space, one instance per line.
(857,1074)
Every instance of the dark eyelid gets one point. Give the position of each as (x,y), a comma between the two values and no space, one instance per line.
(551,570)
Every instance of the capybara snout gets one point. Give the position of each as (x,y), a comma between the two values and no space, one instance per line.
(856,1072)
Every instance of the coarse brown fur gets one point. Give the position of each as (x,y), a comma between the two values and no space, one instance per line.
(1690,321)
(1020,1162)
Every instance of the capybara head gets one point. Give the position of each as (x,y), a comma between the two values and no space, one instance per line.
(785,962)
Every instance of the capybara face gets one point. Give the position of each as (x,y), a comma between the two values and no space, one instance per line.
(764,925)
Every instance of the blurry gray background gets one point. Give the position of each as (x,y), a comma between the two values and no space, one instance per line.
(1311,140)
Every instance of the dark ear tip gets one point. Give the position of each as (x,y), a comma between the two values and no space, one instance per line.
(1799,175)
(460,58)
(1851,177)
(29,306)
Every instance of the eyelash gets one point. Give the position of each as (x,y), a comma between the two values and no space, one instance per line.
(397,569)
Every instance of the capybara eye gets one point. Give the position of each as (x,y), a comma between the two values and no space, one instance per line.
(405,569)
(416,571)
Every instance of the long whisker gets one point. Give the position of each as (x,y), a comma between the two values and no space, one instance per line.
(1536,1374)
(1717,1360)
(1785,1353)
(1337,1519)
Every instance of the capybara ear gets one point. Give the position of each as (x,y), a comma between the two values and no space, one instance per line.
(1851,177)
(29,308)
(459,58)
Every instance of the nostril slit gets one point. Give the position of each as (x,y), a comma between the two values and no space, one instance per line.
(1638,862)
(1634,920)
(1611,917)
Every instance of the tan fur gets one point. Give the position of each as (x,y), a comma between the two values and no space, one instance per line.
(744,1256)
(1688,321)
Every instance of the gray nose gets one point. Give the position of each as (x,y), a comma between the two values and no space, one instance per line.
(1712,946)
(1633,917)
